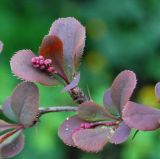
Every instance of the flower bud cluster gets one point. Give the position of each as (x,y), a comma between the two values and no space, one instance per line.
(41,63)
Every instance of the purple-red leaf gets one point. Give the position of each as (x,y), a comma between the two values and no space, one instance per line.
(7,110)
(52,48)
(68,127)
(12,146)
(121,134)
(73,83)
(1,46)
(21,66)
(92,140)
(157,91)
(122,88)
(90,111)
(108,103)
(72,34)
(5,126)
(25,102)
(141,117)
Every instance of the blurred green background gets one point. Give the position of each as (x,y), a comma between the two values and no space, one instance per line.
(120,35)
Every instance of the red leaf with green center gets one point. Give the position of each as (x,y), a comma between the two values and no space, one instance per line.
(72,34)
(52,48)
(122,88)
(21,66)
(25,102)
(141,117)
(90,111)
(92,140)
(68,127)
(1,46)
(7,110)
(12,146)
(157,91)
(121,134)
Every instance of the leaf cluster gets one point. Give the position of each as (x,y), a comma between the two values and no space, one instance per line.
(93,126)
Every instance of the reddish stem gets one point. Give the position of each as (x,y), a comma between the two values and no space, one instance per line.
(62,76)
(95,124)
(10,133)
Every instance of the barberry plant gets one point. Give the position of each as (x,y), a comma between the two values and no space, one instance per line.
(92,126)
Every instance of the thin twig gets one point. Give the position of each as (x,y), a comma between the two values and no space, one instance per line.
(78,95)
(44,110)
